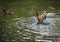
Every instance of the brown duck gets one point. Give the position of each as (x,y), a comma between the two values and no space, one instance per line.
(7,12)
(41,16)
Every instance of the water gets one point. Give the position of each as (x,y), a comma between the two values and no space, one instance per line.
(23,27)
(29,26)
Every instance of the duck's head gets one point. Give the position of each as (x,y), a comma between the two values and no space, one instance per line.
(38,13)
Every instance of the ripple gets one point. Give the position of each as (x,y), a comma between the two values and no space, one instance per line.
(31,22)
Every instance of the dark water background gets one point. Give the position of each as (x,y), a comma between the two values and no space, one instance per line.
(22,25)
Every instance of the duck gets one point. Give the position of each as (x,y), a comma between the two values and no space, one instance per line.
(41,16)
(7,12)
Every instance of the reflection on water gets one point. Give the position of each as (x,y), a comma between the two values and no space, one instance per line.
(22,29)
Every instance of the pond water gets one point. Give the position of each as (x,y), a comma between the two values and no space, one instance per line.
(23,27)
